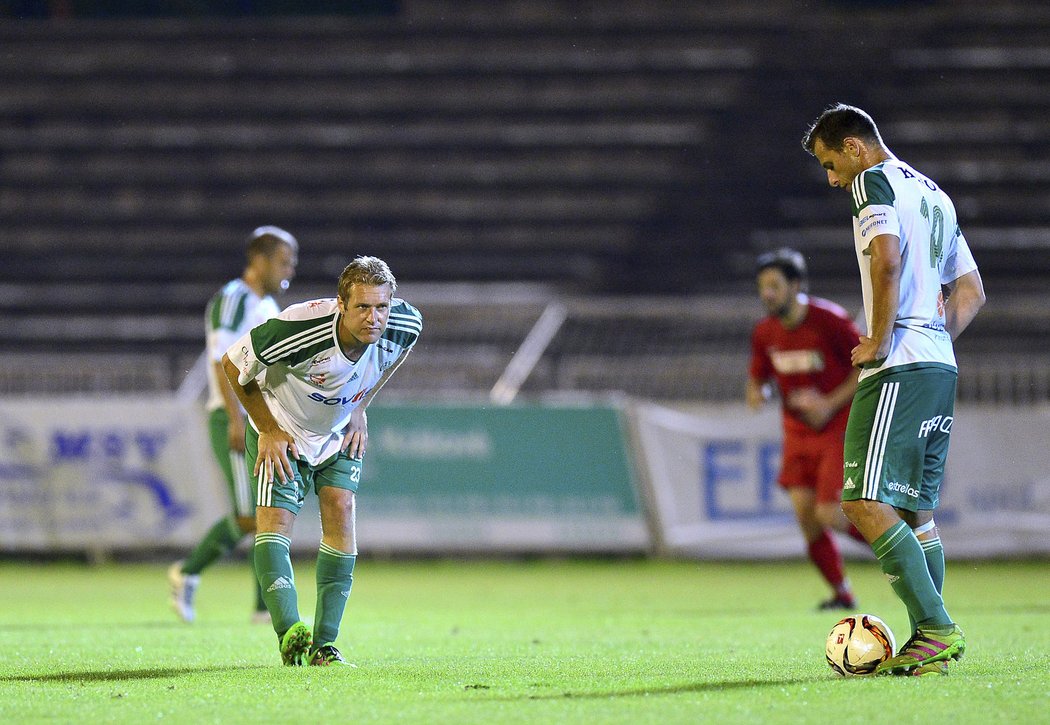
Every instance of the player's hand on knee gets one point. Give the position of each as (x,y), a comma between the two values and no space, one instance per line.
(273,453)
(355,438)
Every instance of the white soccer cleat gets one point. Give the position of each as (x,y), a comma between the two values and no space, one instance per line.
(183,590)
(261,617)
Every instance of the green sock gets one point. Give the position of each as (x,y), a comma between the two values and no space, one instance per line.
(934,552)
(260,603)
(904,564)
(335,576)
(219,540)
(273,567)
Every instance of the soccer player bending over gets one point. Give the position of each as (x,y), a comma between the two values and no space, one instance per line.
(921,289)
(804,344)
(305,379)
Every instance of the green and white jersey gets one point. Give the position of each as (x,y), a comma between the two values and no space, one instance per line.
(893,198)
(233,311)
(310,386)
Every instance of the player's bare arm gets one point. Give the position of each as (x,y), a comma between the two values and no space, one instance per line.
(355,437)
(965,298)
(885,254)
(756,393)
(817,408)
(234,411)
(274,442)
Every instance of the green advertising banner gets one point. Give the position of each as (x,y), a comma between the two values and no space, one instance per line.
(524,477)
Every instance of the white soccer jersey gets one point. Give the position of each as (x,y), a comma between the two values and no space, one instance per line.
(893,198)
(233,311)
(310,386)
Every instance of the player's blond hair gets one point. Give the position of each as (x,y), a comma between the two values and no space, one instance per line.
(371,271)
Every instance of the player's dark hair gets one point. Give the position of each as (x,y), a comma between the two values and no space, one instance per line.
(789,261)
(837,123)
(371,271)
(266,240)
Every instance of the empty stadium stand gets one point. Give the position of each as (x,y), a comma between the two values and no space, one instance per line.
(586,152)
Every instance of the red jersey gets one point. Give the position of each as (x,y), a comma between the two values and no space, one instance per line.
(816,354)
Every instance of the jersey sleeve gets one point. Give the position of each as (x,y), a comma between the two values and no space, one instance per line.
(404,325)
(270,342)
(873,205)
(242,354)
(761,367)
(959,261)
(224,318)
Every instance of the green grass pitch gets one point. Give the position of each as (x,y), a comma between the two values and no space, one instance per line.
(545,641)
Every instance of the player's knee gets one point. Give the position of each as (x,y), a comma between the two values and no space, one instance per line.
(856,510)
(337,511)
(274,520)
(916,519)
(827,515)
(808,523)
(246,524)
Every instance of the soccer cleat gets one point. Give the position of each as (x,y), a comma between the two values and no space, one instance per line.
(927,646)
(326,656)
(932,669)
(295,645)
(183,590)
(839,601)
(261,616)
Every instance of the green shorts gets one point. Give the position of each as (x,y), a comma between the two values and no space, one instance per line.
(897,437)
(234,468)
(338,471)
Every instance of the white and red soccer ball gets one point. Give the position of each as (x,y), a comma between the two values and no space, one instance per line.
(857,645)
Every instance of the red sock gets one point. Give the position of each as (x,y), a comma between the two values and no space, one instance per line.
(825,555)
(854,533)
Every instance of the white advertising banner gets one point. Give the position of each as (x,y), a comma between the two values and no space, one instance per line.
(138,473)
(98,474)
(711,473)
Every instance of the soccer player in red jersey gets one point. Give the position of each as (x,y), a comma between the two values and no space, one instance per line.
(804,344)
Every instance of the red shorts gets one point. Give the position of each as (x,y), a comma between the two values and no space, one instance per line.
(814,461)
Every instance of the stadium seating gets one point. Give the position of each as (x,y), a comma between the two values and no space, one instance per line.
(590,151)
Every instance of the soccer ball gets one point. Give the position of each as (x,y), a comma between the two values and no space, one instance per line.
(857,644)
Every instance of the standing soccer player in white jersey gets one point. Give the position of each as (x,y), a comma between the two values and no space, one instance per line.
(921,290)
(239,306)
(305,378)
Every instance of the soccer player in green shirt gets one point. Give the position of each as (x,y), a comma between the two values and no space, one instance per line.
(921,289)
